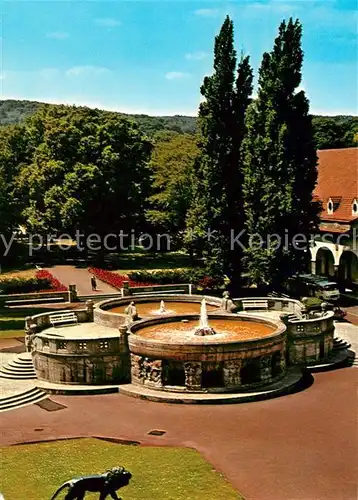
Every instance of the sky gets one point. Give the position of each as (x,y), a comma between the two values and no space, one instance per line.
(144,56)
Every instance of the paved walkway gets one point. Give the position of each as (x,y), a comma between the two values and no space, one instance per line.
(69,275)
(352,314)
(298,447)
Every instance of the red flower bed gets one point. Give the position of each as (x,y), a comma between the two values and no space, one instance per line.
(55,285)
(114,279)
(208,282)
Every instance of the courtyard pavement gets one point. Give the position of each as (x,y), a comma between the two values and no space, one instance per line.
(352,314)
(297,447)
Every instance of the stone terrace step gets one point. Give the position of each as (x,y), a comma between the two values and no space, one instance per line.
(12,376)
(19,368)
(18,400)
(20,363)
(76,389)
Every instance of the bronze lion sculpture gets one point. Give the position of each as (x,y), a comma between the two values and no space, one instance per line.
(106,484)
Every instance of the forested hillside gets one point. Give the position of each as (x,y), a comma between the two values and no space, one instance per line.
(12,111)
(330,132)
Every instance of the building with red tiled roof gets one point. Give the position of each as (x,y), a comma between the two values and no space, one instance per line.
(335,252)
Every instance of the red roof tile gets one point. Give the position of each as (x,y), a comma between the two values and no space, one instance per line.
(338,181)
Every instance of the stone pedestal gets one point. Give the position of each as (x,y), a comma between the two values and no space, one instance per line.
(73,293)
(126,290)
(89,308)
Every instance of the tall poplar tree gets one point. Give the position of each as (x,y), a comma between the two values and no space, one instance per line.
(216,206)
(279,164)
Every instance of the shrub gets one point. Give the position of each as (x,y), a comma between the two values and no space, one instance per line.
(165,277)
(43,282)
(23,285)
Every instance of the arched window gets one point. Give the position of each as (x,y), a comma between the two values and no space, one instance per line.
(330,206)
(355,207)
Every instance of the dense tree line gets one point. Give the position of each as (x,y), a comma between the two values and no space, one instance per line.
(330,132)
(70,168)
(14,112)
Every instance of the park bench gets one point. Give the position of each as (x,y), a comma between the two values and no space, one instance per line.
(255,304)
(65,318)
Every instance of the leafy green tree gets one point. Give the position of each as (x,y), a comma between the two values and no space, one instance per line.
(172,170)
(88,171)
(217,205)
(279,164)
(334,132)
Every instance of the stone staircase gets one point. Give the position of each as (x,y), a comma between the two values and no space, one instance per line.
(353,359)
(22,399)
(340,344)
(20,368)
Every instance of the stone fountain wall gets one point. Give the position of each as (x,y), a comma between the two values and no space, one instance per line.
(208,366)
(310,340)
(82,361)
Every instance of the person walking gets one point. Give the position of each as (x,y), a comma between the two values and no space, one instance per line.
(94,284)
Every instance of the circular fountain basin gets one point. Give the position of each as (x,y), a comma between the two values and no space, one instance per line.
(246,352)
(226,330)
(112,312)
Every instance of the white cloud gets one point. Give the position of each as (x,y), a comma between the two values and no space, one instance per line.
(196,56)
(207,12)
(58,35)
(108,22)
(48,73)
(86,71)
(176,75)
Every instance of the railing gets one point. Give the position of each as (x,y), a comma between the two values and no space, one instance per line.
(312,326)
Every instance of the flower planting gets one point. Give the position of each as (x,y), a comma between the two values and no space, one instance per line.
(54,285)
(114,279)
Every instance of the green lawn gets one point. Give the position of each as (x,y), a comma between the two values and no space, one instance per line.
(35,471)
(12,321)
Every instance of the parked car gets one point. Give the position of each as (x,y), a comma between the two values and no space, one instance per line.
(313,286)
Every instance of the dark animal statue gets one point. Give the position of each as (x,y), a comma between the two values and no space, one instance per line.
(106,484)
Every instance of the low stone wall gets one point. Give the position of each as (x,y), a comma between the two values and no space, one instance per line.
(310,340)
(212,367)
(35,295)
(86,361)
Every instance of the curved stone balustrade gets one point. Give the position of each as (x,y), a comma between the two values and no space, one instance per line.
(310,340)
(104,316)
(283,304)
